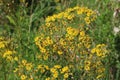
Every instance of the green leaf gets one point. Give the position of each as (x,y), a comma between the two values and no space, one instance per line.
(12,21)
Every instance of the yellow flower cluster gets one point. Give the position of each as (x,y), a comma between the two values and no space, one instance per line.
(53,73)
(43,43)
(5,52)
(64,50)
(2,42)
(10,55)
(67,41)
(24,70)
(87,65)
(71,33)
(58,71)
(100,50)
(72,13)
(93,63)
(42,68)
(66,71)
(24,64)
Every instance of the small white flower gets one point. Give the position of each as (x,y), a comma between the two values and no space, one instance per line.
(116,30)
(116,12)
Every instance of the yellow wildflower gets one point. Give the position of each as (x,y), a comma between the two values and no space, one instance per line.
(39,66)
(60,52)
(37,40)
(47,78)
(42,70)
(43,50)
(57,66)
(93,50)
(16,69)
(7,53)
(66,75)
(49,41)
(2,44)
(24,62)
(29,66)
(55,74)
(62,41)
(70,17)
(65,69)
(87,62)
(87,68)
(46,67)
(9,58)
(87,20)
(53,70)
(16,58)
(23,77)
(82,33)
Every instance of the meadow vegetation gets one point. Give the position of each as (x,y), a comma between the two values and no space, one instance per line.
(59,40)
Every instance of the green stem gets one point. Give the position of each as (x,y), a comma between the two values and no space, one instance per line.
(117,74)
(31,16)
